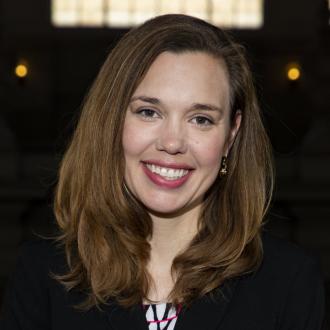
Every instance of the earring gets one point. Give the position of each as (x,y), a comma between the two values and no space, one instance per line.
(223,168)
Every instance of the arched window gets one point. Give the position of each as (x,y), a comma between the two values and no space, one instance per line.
(127,13)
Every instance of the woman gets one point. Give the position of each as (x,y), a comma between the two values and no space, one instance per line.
(161,198)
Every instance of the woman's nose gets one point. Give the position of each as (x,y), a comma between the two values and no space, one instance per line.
(172,138)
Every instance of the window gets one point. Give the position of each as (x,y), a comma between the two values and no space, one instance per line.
(127,13)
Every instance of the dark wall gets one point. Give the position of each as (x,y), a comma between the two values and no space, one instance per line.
(37,115)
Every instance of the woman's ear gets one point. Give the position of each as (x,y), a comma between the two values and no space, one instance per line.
(235,125)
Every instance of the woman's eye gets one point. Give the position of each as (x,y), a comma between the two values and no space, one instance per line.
(148,113)
(202,121)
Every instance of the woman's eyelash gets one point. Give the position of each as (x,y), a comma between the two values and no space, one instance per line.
(147,113)
(203,121)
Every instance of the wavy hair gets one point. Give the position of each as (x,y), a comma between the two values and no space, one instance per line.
(105,231)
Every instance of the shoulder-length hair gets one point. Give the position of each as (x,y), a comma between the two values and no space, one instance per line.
(105,230)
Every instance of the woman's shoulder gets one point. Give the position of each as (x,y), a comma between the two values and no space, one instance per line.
(286,289)
(30,286)
(284,266)
(42,253)
(42,246)
(279,252)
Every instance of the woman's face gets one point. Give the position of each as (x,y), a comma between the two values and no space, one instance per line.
(177,128)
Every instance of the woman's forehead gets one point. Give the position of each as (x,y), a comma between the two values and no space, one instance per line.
(190,76)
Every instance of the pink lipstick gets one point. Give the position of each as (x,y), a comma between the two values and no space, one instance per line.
(160,180)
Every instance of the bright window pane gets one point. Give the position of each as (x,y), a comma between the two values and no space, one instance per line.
(90,12)
(65,12)
(143,10)
(118,13)
(127,13)
(196,8)
(166,7)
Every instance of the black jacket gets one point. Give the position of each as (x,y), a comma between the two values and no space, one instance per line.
(285,293)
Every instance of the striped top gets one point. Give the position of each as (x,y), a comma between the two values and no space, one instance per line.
(161,316)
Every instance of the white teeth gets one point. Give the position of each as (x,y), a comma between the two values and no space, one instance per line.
(168,173)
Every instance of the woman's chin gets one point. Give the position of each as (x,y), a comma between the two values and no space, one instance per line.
(171,210)
(165,212)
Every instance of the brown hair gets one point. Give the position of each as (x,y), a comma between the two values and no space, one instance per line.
(105,230)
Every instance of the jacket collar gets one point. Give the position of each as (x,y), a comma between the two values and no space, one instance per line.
(121,318)
(207,312)
(204,313)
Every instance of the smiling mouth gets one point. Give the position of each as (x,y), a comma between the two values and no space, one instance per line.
(167,173)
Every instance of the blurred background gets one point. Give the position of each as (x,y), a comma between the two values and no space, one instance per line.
(51,50)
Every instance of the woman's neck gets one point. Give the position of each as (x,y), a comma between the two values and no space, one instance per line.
(172,235)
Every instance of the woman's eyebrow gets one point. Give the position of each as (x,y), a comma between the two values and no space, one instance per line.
(152,100)
(206,106)
(195,106)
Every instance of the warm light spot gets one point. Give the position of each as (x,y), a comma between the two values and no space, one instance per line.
(21,70)
(293,71)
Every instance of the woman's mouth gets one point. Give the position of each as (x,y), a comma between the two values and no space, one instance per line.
(167,173)
(168,177)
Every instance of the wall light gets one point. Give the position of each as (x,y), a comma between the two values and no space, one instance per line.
(293,71)
(21,70)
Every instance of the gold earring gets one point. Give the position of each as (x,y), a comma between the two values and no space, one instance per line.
(223,168)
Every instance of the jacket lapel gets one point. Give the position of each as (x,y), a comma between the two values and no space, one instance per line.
(205,313)
(126,318)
